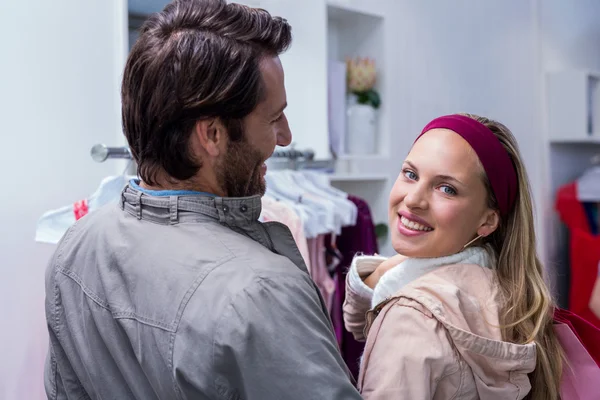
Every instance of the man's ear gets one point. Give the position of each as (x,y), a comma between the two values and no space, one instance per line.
(489,224)
(211,136)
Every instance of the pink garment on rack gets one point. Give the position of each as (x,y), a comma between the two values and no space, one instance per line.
(272,210)
(319,272)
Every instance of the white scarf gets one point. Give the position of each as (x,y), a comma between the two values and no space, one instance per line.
(407,271)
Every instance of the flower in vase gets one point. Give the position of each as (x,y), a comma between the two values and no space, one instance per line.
(362,75)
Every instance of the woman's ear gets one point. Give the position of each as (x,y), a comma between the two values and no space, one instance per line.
(490,223)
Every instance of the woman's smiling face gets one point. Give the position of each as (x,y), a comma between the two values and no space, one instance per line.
(439,201)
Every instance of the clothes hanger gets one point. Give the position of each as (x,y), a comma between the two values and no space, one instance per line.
(53,224)
(279,188)
(333,217)
(322,181)
(291,196)
(281,183)
(588,184)
(346,209)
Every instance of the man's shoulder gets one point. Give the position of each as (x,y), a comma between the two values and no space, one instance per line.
(248,273)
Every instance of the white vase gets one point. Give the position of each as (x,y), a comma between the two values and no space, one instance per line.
(361,129)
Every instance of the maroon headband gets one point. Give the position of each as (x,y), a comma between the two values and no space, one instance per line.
(492,155)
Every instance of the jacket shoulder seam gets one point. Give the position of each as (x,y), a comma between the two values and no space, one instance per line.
(89,293)
(415,305)
(63,243)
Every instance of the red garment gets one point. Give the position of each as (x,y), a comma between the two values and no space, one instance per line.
(588,334)
(80,209)
(580,342)
(584,250)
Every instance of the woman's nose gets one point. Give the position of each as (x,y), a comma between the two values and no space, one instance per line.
(416,197)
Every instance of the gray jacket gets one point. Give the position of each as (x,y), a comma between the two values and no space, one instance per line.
(186,297)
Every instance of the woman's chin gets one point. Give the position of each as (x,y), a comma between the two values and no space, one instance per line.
(415,251)
(401,247)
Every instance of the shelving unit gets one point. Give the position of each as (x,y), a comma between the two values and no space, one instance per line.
(361,157)
(356,29)
(358,178)
(571,141)
(573,110)
(573,105)
(573,117)
(344,9)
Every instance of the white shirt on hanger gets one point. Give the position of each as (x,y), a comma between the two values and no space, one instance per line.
(53,224)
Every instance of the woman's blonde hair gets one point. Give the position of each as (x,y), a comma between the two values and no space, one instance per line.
(526,315)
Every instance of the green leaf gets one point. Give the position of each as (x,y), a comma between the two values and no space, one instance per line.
(381,230)
(362,97)
(369,97)
(374,98)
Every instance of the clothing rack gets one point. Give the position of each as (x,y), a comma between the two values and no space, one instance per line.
(294,154)
(293,159)
(101,152)
(296,160)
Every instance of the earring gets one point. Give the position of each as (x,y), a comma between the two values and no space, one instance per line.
(478,237)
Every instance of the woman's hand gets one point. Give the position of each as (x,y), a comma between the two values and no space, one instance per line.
(371,280)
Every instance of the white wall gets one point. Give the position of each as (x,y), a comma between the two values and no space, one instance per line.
(59,95)
(571,34)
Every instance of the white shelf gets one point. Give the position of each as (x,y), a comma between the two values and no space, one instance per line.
(362,157)
(576,140)
(343,9)
(573,105)
(358,177)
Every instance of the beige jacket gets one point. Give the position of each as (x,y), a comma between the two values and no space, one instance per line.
(433,331)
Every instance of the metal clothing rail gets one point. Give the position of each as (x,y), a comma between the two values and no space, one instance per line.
(295,160)
(294,154)
(101,153)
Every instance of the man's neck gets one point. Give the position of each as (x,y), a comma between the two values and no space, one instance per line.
(192,185)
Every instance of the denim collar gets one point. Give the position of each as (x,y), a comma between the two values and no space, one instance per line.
(167,206)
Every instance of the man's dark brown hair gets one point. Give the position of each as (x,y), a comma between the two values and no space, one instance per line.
(196,59)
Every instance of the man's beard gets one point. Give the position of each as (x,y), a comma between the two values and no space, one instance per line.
(239,172)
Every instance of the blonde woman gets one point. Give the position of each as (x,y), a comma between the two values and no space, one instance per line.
(463,312)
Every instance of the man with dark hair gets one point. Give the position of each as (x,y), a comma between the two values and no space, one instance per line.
(178,292)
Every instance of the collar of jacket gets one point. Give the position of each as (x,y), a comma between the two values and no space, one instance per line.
(413,268)
(187,208)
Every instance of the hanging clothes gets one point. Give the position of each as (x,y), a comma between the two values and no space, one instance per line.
(319,272)
(580,341)
(357,239)
(584,249)
(273,210)
(53,224)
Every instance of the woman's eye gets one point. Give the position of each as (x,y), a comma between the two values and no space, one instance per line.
(410,175)
(448,190)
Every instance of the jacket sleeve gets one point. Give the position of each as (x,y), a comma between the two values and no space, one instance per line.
(275,341)
(53,383)
(358,295)
(407,356)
